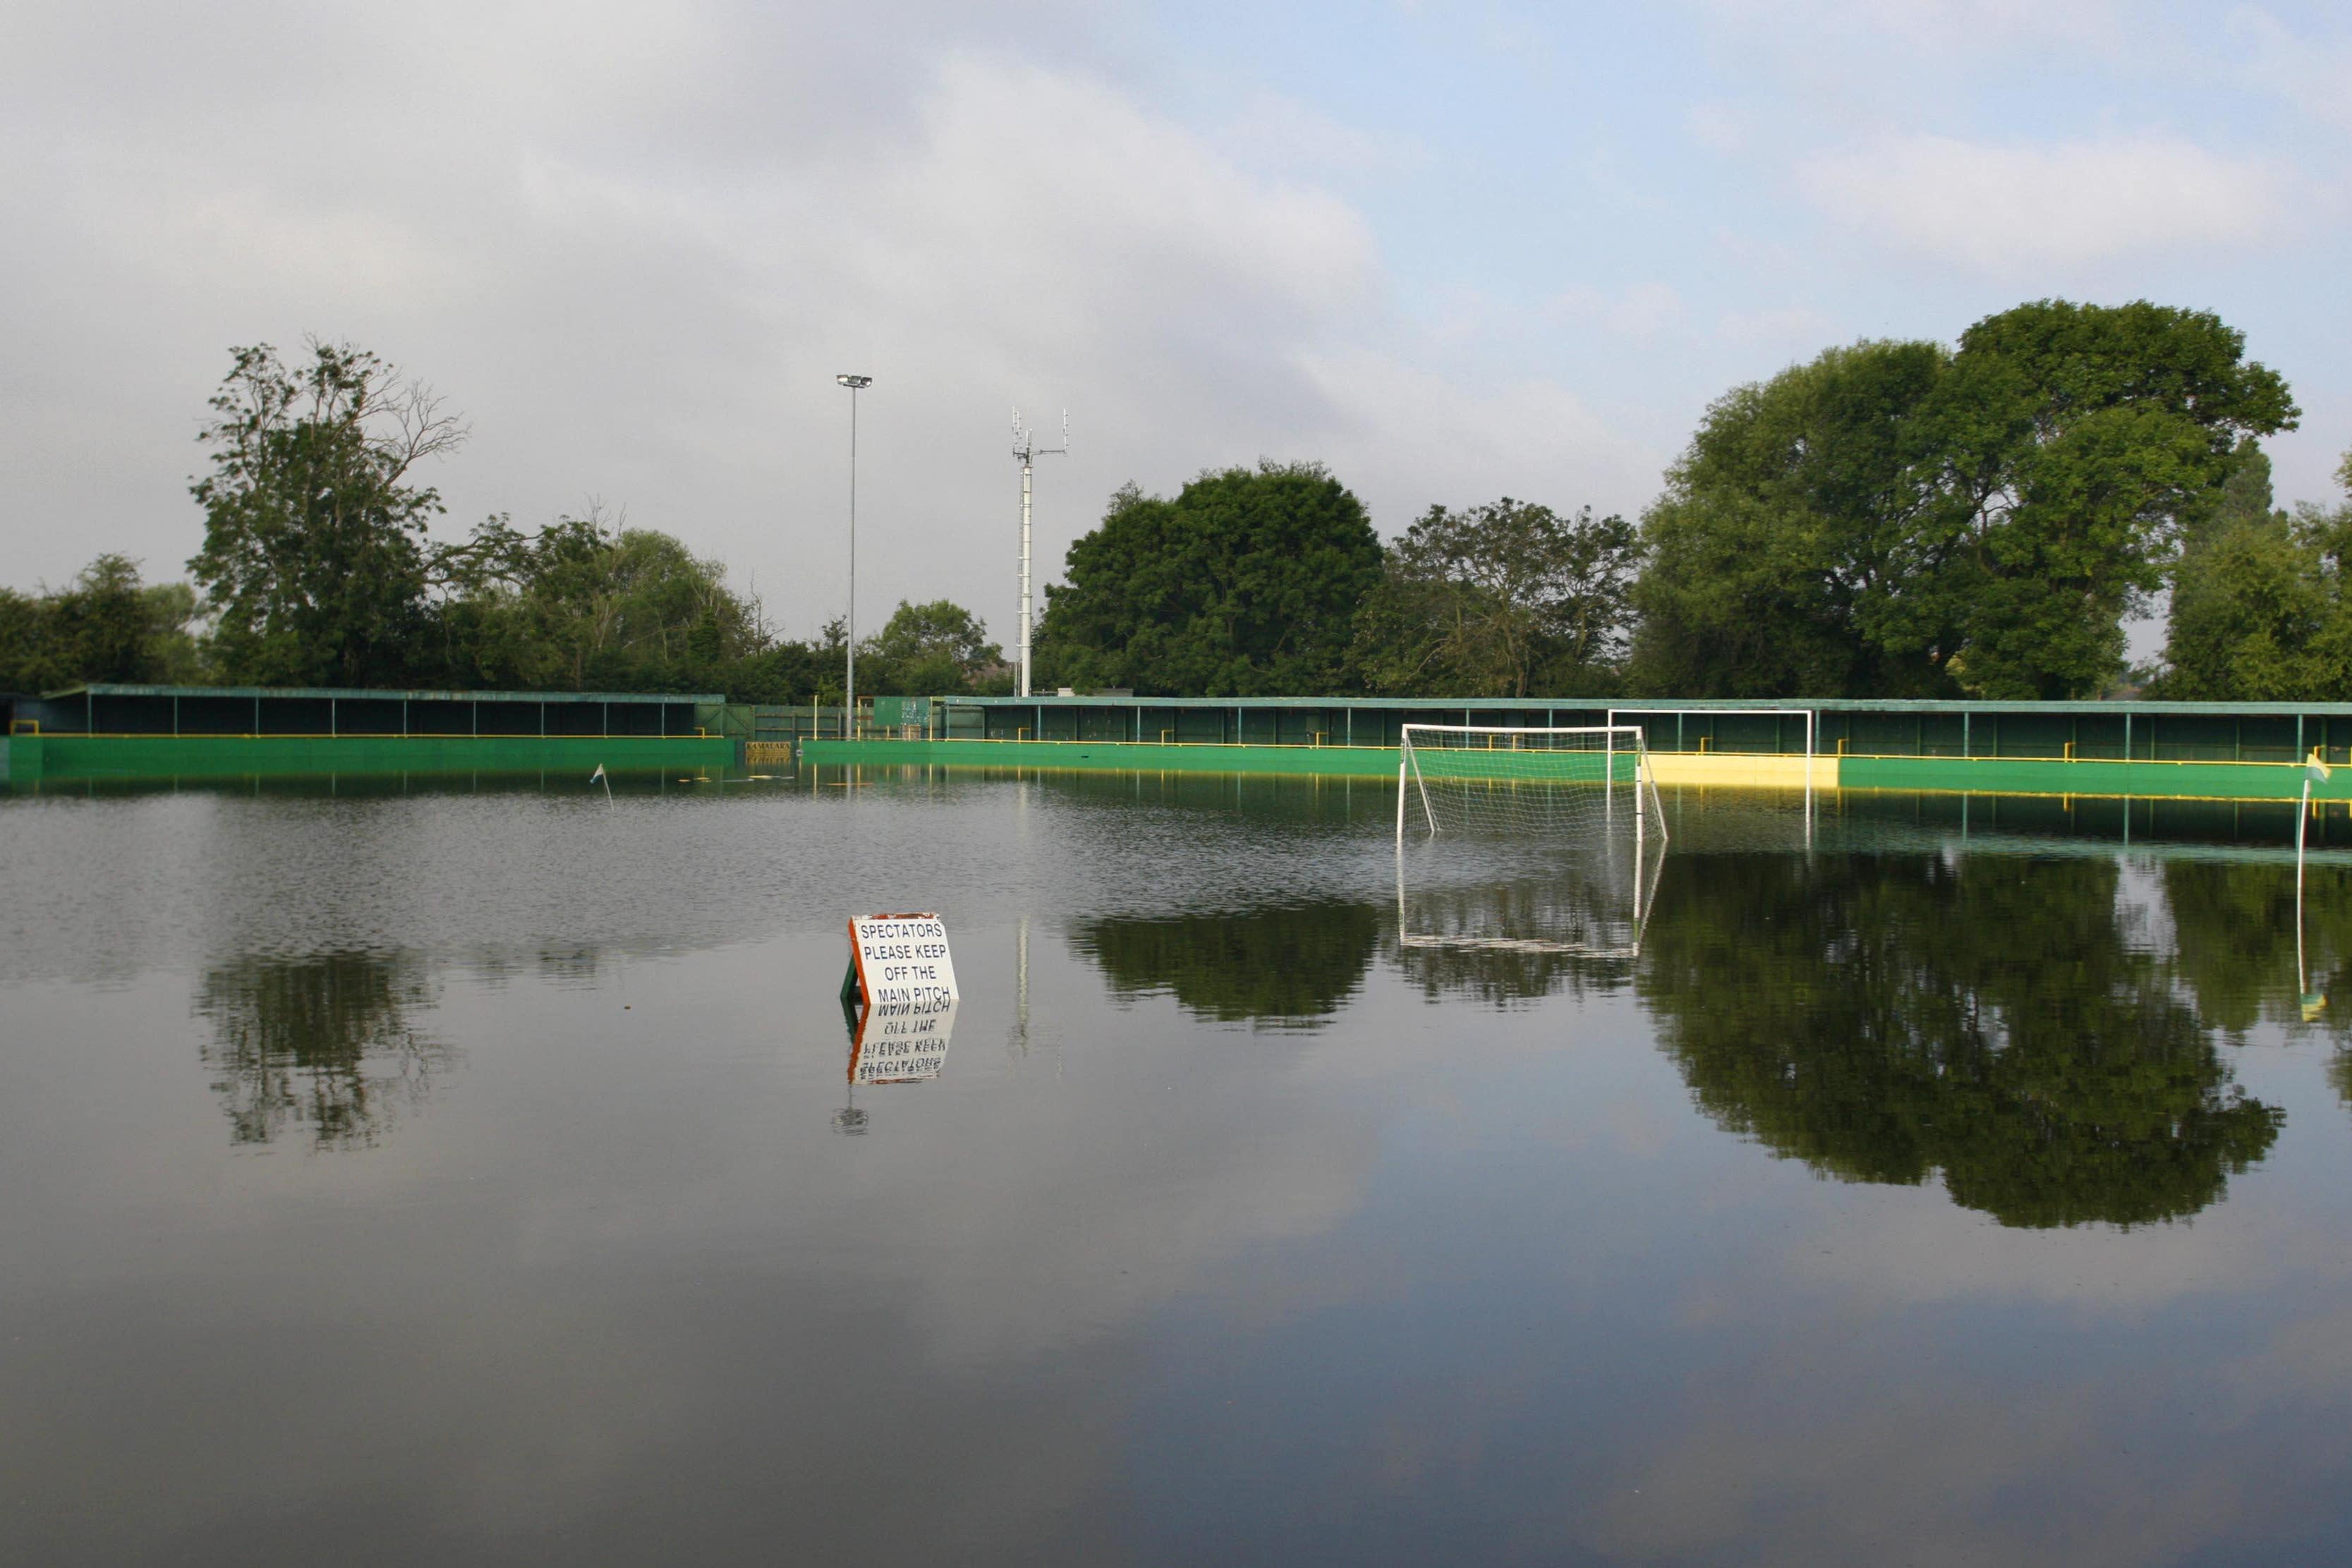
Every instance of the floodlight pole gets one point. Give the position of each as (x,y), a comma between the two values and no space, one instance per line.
(1025,448)
(849,684)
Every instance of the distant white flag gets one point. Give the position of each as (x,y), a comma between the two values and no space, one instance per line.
(598,774)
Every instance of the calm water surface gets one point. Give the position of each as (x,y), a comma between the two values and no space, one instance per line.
(474,1177)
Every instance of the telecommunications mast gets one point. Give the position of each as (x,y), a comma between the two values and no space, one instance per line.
(1025,448)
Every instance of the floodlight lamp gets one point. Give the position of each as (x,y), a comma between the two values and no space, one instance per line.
(854,382)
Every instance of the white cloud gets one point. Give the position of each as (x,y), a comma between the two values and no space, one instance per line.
(2009,210)
(1640,311)
(1717,127)
(1407,437)
(1788,327)
(1940,25)
(2313,74)
(634,256)
(1271,130)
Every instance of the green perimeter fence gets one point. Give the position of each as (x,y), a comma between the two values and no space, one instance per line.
(162,730)
(2185,750)
(195,732)
(2171,732)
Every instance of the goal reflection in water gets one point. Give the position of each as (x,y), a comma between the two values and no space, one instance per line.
(1886,1020)
(1533,895)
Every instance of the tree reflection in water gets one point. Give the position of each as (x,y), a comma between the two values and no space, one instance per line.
(321,1045)
(1290,965)
(1884,1018)
(2235,940)
(1999,1023)
(2235,937)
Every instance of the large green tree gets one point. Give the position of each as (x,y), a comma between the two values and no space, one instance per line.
(2261,602)
(1244,584)
(1504,600)
(105,625)
(2077,441)
(587,605)
(1895,520)
(1791,546)
(314,559)
(932,650)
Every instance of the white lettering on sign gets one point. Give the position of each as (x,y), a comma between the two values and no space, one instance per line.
(903,965)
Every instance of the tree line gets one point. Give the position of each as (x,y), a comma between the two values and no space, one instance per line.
(318,569)
(1890,520)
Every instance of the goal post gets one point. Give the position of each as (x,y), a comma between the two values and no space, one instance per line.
(1812,728)
(1508,779)
(1529,840)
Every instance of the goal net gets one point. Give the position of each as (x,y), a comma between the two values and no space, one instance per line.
(1559,783)
(1527,840)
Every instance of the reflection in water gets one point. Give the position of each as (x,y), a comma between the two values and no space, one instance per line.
(2234,932)
(1501,977)
(1561,902)
(1266,799)
(1287,964)
(890,1042)
(849,1120)
(1021,988)
(1429,1285)
(321,1044)
(1884,1019)
(899,1042)
(2011,820)
(1523,923)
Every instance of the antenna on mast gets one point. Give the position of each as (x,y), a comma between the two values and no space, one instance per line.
(1025,449)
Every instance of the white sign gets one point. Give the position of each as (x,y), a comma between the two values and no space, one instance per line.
(899,1048)
(901,965)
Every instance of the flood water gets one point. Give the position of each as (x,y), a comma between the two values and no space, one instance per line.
(410,1175)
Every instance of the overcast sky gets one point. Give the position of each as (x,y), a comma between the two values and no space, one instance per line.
(1454,251)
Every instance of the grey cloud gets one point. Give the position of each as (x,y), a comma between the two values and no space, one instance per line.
(634,245)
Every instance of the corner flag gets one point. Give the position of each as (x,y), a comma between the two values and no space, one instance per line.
(2315,767)
(598,774)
